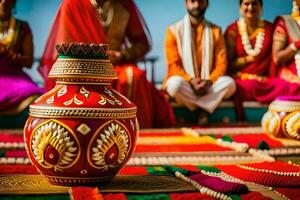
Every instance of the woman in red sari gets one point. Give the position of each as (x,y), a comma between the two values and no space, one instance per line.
(286,45)
(249,46)
(119,24)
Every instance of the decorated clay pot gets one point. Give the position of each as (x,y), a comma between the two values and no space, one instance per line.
(283,117)
(82,131)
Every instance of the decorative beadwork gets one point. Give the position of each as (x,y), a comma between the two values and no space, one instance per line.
(82,68)
(269,171)
(81,112)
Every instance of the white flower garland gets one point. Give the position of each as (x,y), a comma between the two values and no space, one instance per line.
(12,161)
(260,37)
(241,147)
(261,154)
(14,145)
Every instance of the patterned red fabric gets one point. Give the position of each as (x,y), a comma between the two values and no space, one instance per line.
(133,170)
(7,137)
(160,133)
(190,196)
(276,165)
(16,154)
(180,148)
(264,178)
(253,140)
(18,169)
(83,193)
(291,193)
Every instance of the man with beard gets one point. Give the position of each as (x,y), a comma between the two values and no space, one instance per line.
(196,61)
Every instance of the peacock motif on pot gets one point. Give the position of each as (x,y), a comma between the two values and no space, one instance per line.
(82,131)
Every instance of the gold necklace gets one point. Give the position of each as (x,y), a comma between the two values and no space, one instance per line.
(6,37)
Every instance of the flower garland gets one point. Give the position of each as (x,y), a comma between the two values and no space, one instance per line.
(240,147)
(14,145)
(260,37)
(6,37)
(261,154)
(190,160)
(13,161)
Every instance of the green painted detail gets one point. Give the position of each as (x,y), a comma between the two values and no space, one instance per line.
(156,170)
(263,145)
(213,136)
(209,169)
(235,197)
(172,170)
(158,196)
(227,138)
(2,153)
(14,121)
(89,56)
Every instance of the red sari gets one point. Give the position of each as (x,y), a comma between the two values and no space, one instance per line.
(254,81)
(282,32)
(77,21)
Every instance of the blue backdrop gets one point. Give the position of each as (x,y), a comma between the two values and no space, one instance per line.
(157,13)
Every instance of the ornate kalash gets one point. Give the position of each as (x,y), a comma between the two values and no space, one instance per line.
(283,117)
(82,131)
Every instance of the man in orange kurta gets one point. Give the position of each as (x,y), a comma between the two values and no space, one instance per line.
(197,61)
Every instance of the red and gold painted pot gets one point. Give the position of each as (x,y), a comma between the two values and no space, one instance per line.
(82,131)
(283,117)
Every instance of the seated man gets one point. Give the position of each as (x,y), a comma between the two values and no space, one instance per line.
(196,61)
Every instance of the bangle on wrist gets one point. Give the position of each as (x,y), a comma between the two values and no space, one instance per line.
(293,47)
